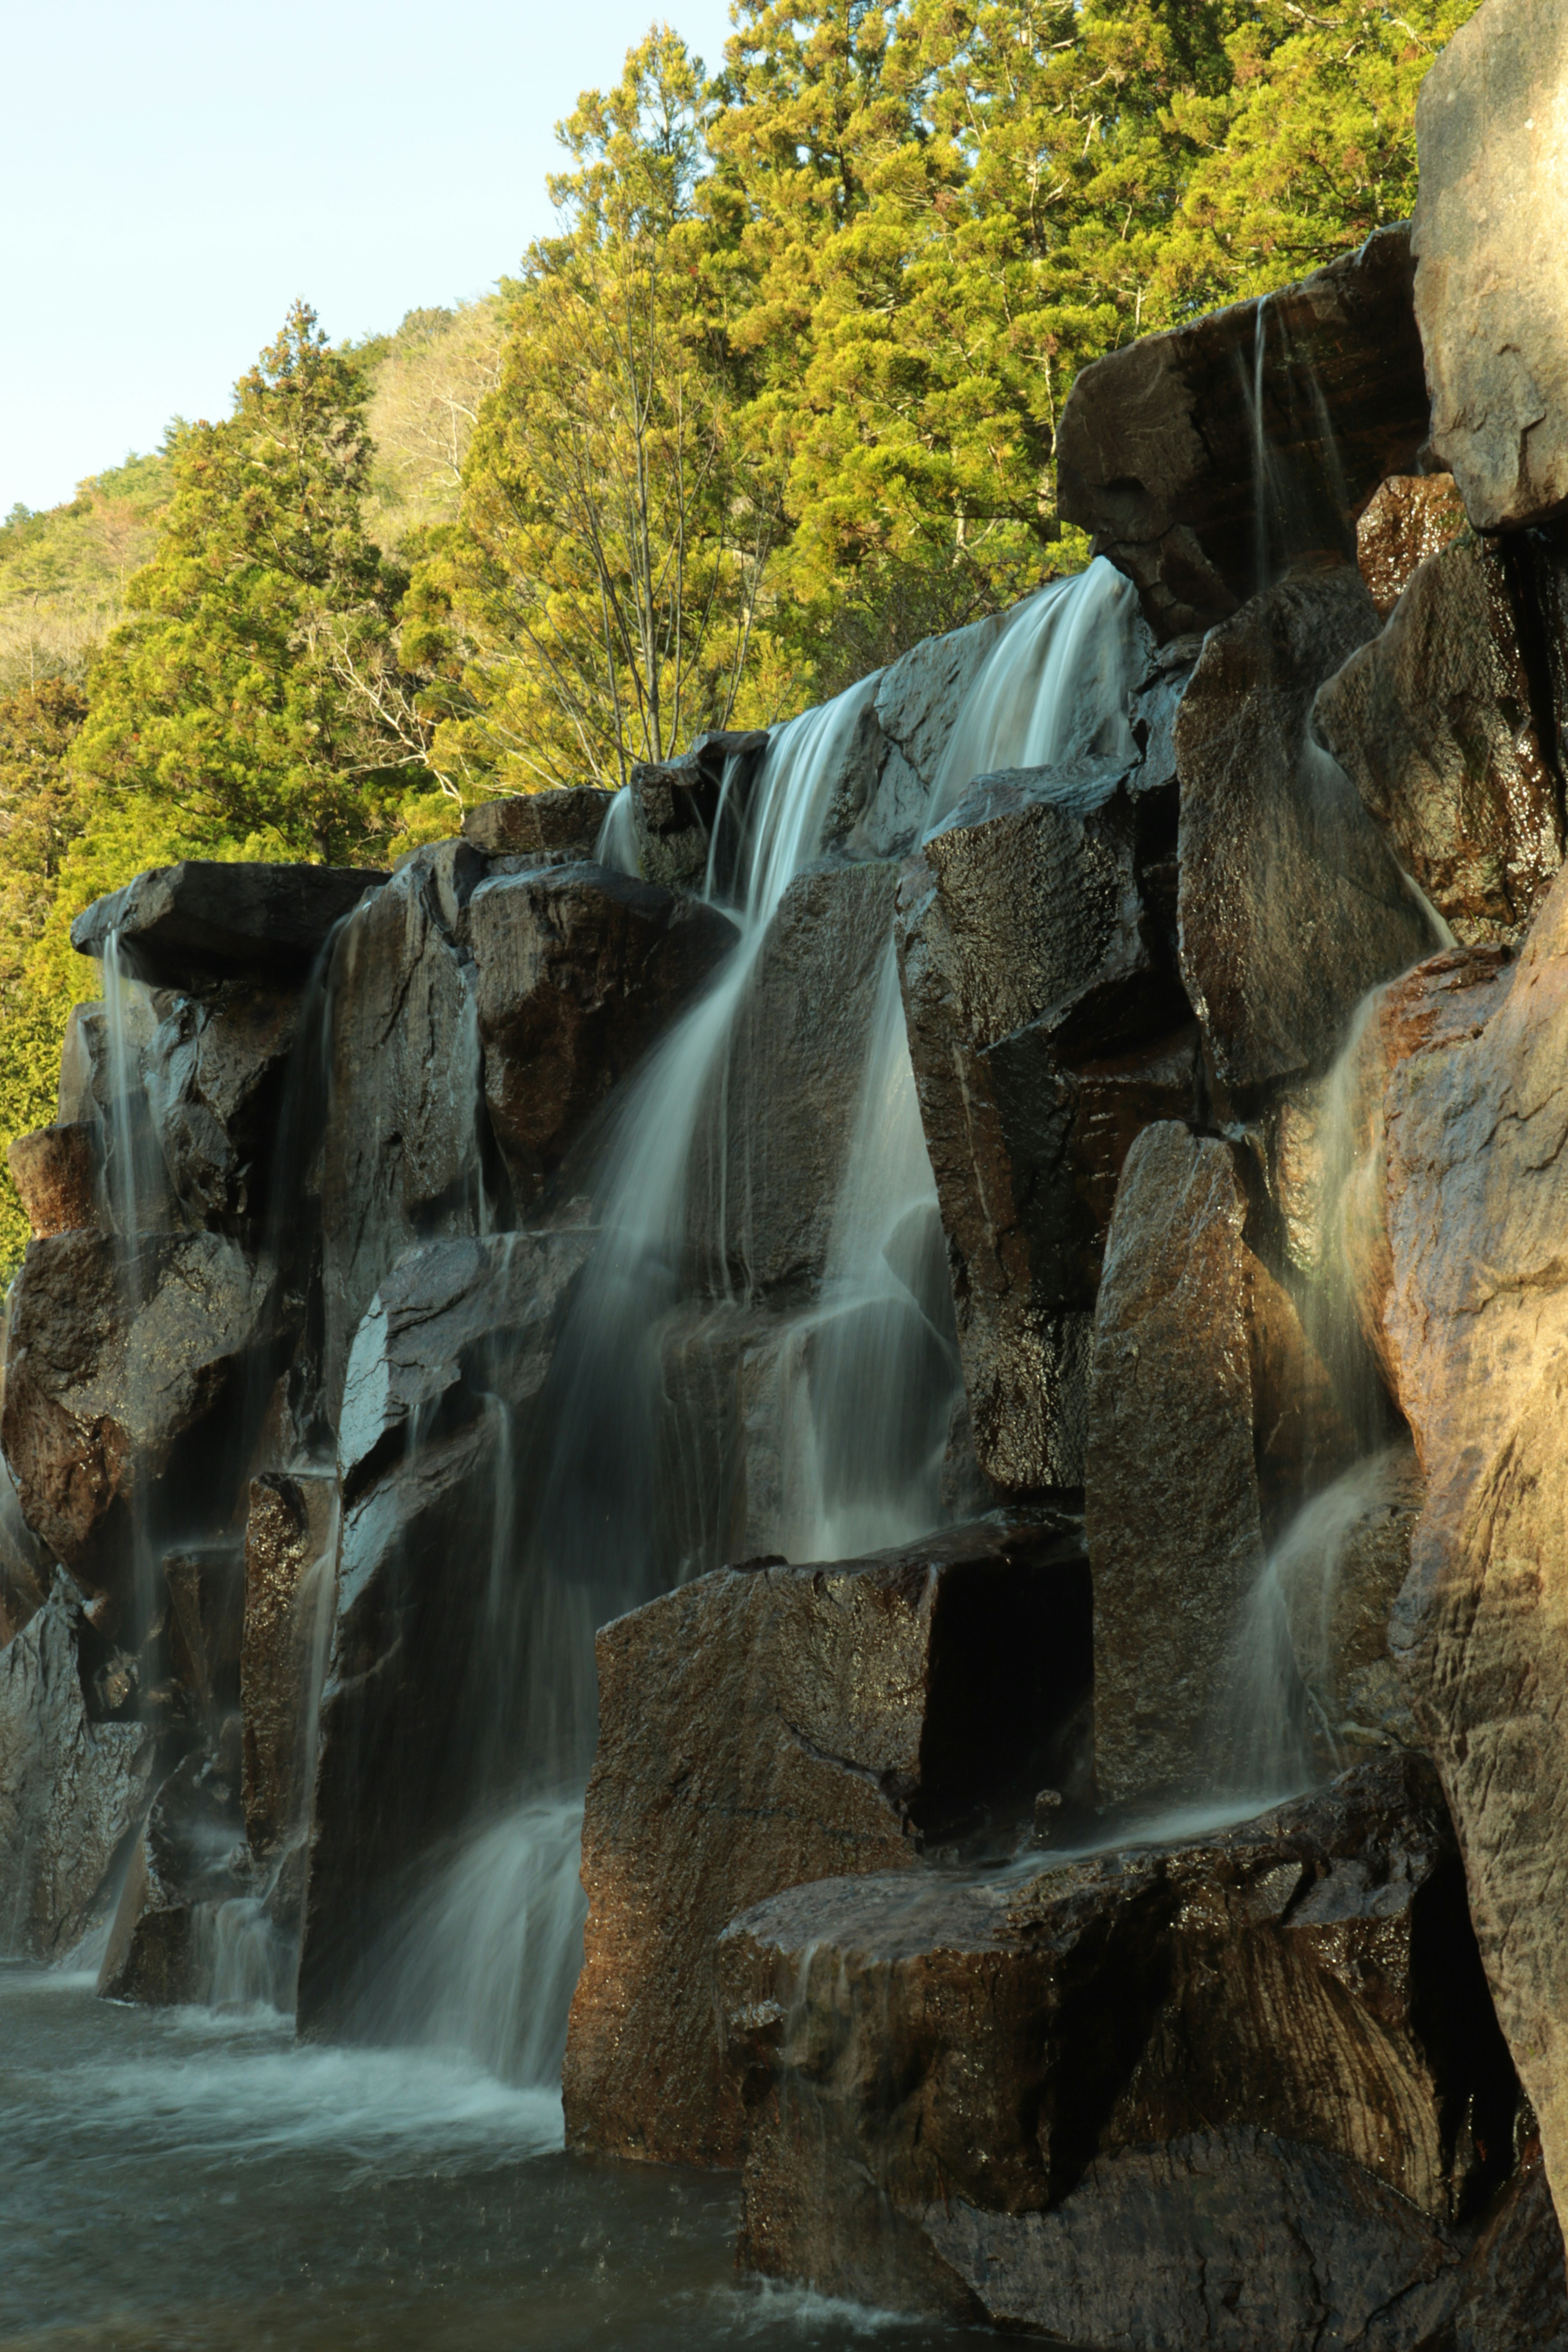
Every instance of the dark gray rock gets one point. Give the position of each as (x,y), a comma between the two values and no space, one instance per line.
(533,824)
(202,921)
(675,806)
(72,1790)
(578,970)
(1291,905)
(206,1597)
(918,699)
(189,1860)
(1433,723)
(1109,2100)
(214,1074)
(1152,453)
(1491,219)
(766,1726)
(115,1356)
(26,1570)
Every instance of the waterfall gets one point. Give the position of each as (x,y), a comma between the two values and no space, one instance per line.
(136,1192)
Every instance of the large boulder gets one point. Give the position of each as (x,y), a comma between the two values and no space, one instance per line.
(563,822)
(1490,227)
(404,1150)
(115,1354)
(1409,518)
(1433,723)
(72,1790)
(1291,904)
(1199,1358)
(185,926)
(189,1861)
(1154,440)
(766,1726)
(676,803)
(1032,973)
(1476,1322)
(214,1074)
(578,970)
(56,1171)
(1190,2094)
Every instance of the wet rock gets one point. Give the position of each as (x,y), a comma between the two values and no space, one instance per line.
(1339,1567)
(189,1860)
(188,925)
(214,1074)
(100,1391)
(1148,448)
(1512,2291)
(1105,2101)
(206,1593)
(1433,723)
(1491,220)
(1201,1368)
(71,1790)
(1408,518)
(918,699)
(759,1727)
(1028,968)
(1477,1324)
(676,803)
(56,1172)
(821,981)
(403,1153)
(535,824)
(1291,906)
(290,1541)
(578,971)
(26,1568)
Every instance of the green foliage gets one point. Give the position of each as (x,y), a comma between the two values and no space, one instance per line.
(63,572)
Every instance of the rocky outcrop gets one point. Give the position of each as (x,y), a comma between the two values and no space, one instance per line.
(114,1356)
(1433,723)
(1491,222)
(676,808)
(189,1859)
(1409,518)
(1339,1569)
(1291,906)
(206,1607)
(1150,453)
(1031,970)
(56,1172)
(918,700)
(1105,2102)
(72,1790)
(767,1725)
(185,926)
(566,821)
(290,1542)
(578,970)
(25,1569)
(213,1073)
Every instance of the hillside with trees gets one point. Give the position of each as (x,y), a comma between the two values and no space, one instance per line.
(777,398)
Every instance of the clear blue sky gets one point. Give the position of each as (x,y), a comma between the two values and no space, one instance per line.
(172,173)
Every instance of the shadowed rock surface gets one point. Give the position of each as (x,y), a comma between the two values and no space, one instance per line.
(1490,234)
(768,1726)
(1152,449)
(290,1534)
(189,1859)
(213,1073)
(1291,905)
(185,926)
(1023,2093)
(1433,723)
(578,971)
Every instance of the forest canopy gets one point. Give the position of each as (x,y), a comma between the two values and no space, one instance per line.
(777,398)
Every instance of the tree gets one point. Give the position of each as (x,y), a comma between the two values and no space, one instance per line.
(254,692)
(600,599)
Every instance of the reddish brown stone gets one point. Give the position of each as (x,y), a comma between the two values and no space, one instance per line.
(1409,518)
(56,1171)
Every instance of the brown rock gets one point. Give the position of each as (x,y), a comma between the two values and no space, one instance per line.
(1477,1324)
(1512,2292)
(1408,518)
(1104,2102)
(578,970)
(112,1358)
(1433,723)
(56,1172)
(1339,1567)
(1291,906)
(1153,445)
(290,1534)
(762,1728)
(533,824)
(71,1790)
(1490,227)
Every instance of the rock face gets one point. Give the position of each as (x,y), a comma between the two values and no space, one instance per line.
(71,1790)
(1200,1366)
(1409,518)
(213,1073)
(189,1859)
(1477,1324)
(532,824)
(1102,2103)
(1433,722)
(1339,1568)
(578,971)
(1147,452)
(112,1358)
(675,807)
(1491,221)
(290,1535)
(1292,907)
(1032,971)
(56,1172)
(185,926)
(768,1726)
